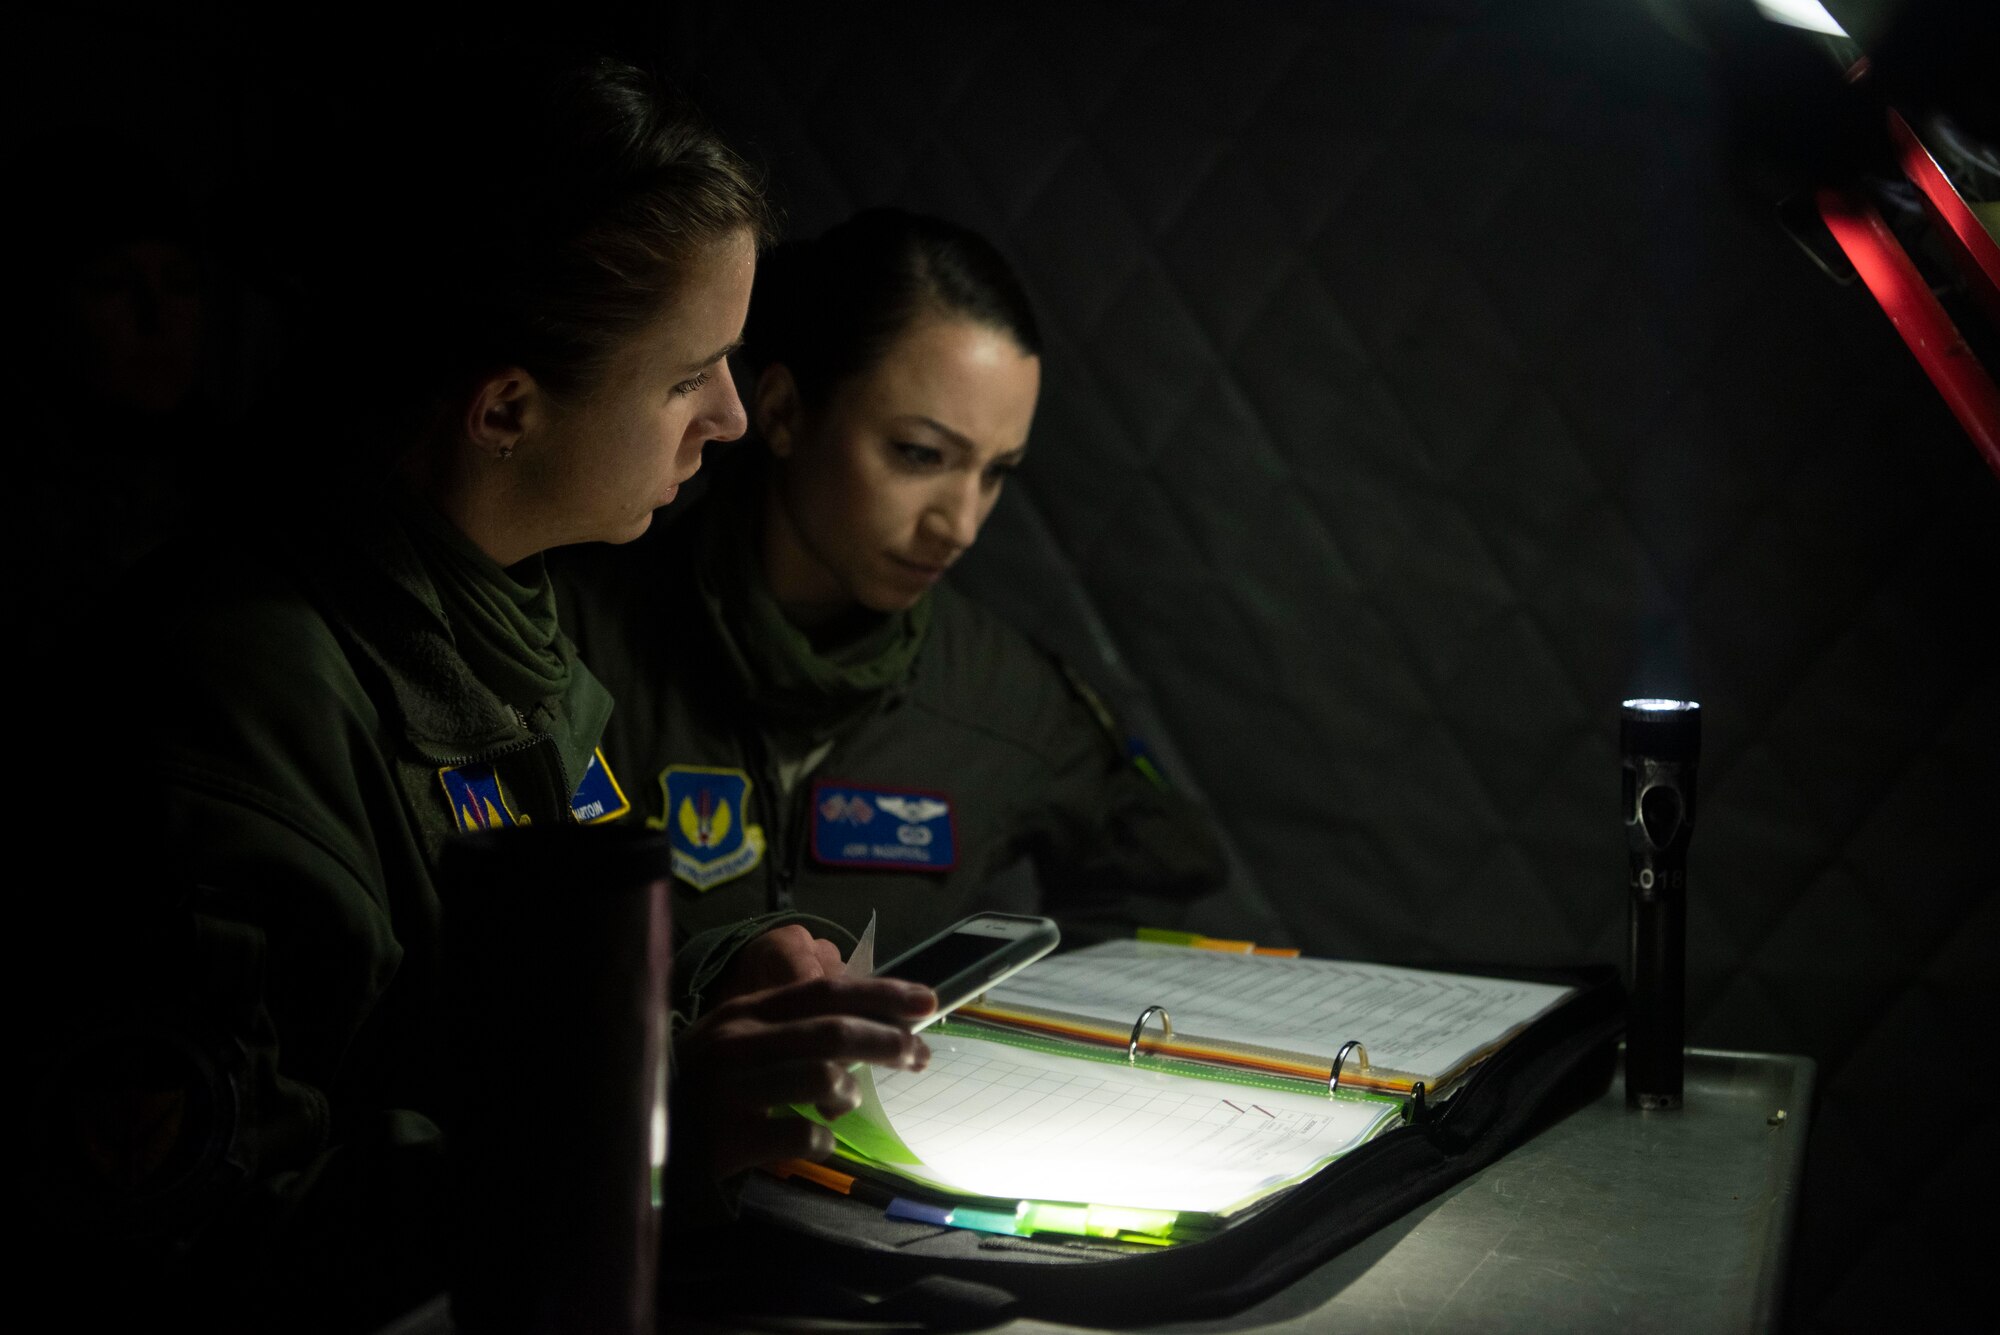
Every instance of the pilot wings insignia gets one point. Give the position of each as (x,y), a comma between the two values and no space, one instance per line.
(912,809)
(861,827)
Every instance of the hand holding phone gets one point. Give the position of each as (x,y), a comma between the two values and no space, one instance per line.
(789,1045)
(971,956)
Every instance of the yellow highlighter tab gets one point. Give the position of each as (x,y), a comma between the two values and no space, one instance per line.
(1196,941)
(1094,1221)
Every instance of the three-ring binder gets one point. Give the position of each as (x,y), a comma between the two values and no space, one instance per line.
(1352,1046)
(1139,1027)
(1340,1059)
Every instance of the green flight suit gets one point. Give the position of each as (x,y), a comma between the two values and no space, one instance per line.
(940,704)
(330,699)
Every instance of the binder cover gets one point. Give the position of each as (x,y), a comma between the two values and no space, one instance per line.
(798,1249)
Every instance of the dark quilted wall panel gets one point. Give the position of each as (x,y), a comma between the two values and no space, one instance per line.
(1418,387)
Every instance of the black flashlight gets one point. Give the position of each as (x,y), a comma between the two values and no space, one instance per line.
(1661,740)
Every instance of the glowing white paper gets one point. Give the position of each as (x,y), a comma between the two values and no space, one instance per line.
(992,1119)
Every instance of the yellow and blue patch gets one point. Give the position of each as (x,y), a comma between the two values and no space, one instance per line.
(883,829)
(706,814)
(598,799)
(479,800)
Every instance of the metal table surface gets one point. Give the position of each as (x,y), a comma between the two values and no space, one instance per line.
(1610,1220)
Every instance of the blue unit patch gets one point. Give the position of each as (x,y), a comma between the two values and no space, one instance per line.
(707,819)
(477,800)
(598,798)
(886,829)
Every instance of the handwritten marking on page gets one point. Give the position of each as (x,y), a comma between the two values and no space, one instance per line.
(998,1120)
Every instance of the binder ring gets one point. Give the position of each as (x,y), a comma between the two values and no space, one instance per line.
(1139,1027)
(1340,1060)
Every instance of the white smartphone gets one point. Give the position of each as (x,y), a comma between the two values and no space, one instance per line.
(972,955)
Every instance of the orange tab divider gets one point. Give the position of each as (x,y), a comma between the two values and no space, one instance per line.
(813,1172)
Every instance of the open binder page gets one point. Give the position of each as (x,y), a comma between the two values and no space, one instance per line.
(1411,1020)
(992,1119)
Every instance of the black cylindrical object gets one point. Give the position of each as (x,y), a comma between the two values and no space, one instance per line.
(1660,741)
(557,956)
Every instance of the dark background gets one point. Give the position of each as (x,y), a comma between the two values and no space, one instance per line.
(1423,378)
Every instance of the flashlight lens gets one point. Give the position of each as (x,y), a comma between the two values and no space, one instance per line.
(1660,730)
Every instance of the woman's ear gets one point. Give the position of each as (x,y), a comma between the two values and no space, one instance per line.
(497,415)
(776,412)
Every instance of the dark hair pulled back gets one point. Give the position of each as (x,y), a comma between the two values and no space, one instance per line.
(829,308)
(538,224)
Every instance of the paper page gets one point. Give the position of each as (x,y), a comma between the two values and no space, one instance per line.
(992,1119)
(867,1128)
(1410,1020)
(861,960)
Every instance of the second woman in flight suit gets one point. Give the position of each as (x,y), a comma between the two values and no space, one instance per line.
(822,726)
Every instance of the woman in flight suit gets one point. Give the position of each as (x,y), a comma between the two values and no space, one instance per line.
(826,729)
(351,685)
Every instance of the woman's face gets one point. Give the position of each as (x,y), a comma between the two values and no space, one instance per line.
(596,468)
(885,485)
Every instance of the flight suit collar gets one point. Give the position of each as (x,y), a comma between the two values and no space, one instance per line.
(385,600)
(803,693)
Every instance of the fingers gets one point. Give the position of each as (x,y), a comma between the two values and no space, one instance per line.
(888,998)
(792,942)
(826,1085)
(793,1045)
(779,958)
(792,954)
(843,1039)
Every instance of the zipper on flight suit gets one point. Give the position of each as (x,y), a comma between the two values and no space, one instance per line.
(564,788)
(563,783)
(778,886)
(785,843)
(801,804)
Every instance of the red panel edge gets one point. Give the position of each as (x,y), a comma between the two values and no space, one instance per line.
(1907,301)
(1976,252)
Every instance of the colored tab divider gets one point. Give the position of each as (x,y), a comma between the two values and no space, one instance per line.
(1196,941)
(844,1183)
(957,1216)
(1118,1223)
(1097,1221)
(1152,1227)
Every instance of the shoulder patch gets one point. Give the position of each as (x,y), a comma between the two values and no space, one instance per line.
(706,813)
(1092,701)
(478,802)
(598,799)
(883,829)
(1134,747)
